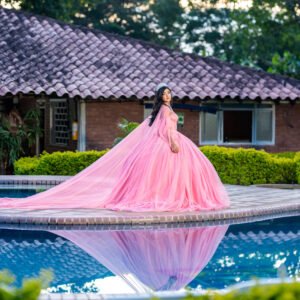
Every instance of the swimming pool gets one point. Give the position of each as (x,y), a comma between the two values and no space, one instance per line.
(160,259)
(17,192)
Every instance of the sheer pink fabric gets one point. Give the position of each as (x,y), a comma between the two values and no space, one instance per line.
(162,259)
(140,173)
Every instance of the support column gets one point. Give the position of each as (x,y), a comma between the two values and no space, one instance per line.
(82,126)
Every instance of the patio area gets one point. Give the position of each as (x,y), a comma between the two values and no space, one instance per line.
(247,202)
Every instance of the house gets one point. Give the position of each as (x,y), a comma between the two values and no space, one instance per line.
(91,78)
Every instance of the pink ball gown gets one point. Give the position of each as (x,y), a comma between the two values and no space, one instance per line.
(140,173)
(161,259)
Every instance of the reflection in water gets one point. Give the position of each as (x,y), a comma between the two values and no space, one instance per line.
(142,260)
(160,259)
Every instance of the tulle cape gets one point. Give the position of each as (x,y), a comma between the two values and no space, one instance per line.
(140,173)
(160,259)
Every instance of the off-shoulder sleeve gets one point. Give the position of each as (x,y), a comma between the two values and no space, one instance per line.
(170,129)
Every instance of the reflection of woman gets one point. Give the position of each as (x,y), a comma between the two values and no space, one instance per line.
(155,168)
(162,259)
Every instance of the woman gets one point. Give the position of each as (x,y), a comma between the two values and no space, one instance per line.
(162,259)
(155,168)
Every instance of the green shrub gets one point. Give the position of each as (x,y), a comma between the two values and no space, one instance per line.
(30,289)
(280,291)
(286,154)
(234,165)
(126,127)
(26,165)
(282,170)
(297,166)
(57,163)
(249,166)
(66,163)
(222,159)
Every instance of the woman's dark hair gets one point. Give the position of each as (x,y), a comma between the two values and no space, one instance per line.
(158,101)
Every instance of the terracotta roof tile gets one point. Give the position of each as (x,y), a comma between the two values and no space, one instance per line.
(39,54)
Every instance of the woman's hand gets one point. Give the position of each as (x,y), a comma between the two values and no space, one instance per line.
(174,148)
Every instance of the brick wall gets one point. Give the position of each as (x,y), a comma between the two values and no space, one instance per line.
(191,123)
(287,131)
(102,119)
(26,103)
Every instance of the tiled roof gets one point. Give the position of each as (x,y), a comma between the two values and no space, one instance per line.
(42,55)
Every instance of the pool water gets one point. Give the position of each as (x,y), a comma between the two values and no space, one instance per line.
(16,193)
(157,259)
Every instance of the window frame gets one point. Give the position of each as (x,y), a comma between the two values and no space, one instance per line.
(220,123)
(147,111)
(51,137)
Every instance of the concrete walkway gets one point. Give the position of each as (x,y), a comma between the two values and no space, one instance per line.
(247,202)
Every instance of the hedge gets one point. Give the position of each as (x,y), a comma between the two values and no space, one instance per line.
(26,165)
(297,167)
(279,291)
(57,163)
(30,289)
(286,154)
(234,165)
(250,166)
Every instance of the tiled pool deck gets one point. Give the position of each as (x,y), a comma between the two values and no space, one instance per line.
(247,202)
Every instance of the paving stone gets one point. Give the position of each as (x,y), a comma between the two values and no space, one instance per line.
(246,202)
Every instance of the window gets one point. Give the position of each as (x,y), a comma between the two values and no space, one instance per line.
(148,105)
(59,122)
(264,125)
(238,124)
(210,127)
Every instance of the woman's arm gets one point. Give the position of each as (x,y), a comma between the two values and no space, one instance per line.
(171,131)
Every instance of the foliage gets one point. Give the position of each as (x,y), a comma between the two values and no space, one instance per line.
(12,140)
(125,127)
(26,165)
(288,64)
(278,291)
(297,162)
(285,154)
(66,163)
(32,125)
(30,289)
(156,21)
(250,166)
(234,165)
(265,36)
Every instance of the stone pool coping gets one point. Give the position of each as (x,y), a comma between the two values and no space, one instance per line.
(247,202)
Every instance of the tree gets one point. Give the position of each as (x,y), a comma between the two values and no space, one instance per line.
(13,139)
(156,21)
(249,36)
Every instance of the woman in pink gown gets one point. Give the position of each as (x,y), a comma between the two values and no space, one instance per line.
(154,168)
(162,259)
